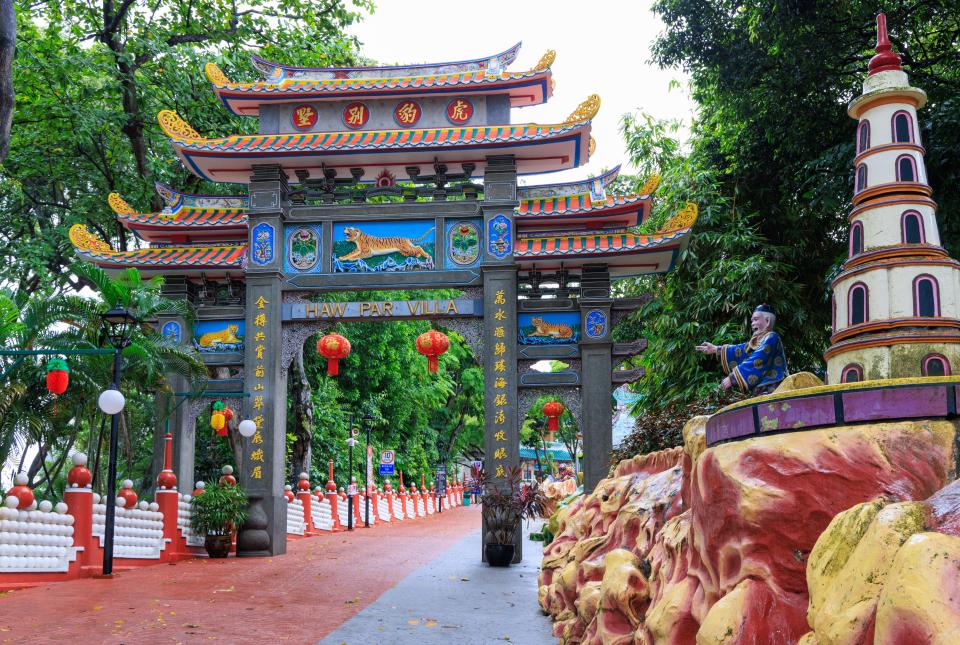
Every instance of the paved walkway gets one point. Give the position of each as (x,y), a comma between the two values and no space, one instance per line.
(456,599)
(301,597)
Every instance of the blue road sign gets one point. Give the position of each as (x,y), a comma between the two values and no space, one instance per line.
(386,469)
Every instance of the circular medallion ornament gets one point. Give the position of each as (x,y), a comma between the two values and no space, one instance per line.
(464,243)
(304,117)
(407,113)
(171,330)
(459,111)
(596,323)
(356,115)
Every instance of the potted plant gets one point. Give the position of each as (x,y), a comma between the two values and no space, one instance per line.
(216,514)
(506,503)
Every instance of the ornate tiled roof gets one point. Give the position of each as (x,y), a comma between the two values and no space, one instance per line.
(574,204)
(524,88)
(566,188)
(536,148)
(276,71)
(186,216)
(92,248)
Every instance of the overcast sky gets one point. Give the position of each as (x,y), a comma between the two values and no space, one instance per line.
(602,47)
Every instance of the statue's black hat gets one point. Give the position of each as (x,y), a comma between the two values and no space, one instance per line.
(764,309)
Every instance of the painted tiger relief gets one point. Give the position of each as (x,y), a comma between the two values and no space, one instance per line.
(224,336)
(551,330)
(369,246)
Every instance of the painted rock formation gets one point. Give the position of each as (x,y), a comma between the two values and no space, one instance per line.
(712,545)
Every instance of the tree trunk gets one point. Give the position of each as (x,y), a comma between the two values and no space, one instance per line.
(301,416)
(8,44)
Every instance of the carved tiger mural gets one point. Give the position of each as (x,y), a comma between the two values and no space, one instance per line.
(369,246)
(552,330)
(222,337)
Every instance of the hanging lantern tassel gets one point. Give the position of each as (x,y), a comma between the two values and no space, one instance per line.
(333,347)
(432,344)
(553,410)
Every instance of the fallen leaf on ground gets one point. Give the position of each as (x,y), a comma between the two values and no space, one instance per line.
(190,625)
(97,607)
(464,579)
(413,622)
(431,623)
(227,590)
(352,601)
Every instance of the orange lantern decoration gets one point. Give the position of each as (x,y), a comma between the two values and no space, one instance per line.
(333,347)
(431,344)
(217,420)
(553,410)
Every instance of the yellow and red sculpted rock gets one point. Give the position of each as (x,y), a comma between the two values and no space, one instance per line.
(886,573)
(727,564)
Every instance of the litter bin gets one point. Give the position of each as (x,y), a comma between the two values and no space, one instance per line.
(466,497)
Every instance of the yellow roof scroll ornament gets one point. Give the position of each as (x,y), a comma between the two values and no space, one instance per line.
(585,111)
(593,146)
(546,61)
(84,240)
(215,75)
(177,128)
(119,205)
(685,218)
(650,187)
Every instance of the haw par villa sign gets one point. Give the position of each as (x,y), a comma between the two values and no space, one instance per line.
(396,309)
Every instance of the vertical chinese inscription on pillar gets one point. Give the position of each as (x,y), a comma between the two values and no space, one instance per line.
(499,386)
(260,326)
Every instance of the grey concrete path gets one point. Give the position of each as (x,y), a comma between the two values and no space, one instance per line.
(456,600)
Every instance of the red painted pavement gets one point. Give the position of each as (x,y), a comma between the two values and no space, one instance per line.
(296,598)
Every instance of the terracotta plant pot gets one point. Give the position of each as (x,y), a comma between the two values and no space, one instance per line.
(499,555)
(217,546)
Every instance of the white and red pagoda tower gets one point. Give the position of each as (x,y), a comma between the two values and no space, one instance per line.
(896,303)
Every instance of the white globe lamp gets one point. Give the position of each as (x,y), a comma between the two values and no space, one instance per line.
(247,428)
(111,401)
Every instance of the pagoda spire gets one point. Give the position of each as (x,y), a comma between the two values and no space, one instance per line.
(885,59)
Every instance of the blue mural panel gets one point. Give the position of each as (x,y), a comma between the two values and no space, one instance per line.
(171,330)
(262,243)
(596,323)
(499,236)
(552,328)
(302,248)
(363,247)
(464,243)
(213,336)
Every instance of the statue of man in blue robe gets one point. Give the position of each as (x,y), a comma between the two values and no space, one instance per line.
(758,365)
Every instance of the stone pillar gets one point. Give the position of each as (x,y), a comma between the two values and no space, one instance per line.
(502,437)
(179,423)
(596,370)
(262,468)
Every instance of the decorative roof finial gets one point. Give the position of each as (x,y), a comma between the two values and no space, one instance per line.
(885,59)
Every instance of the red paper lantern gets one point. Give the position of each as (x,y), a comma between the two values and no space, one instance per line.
(553,410)
(333,347)
(431,344)
(58,375)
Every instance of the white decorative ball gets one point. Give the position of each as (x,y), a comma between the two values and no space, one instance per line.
(111,401)
(154,507)
(127,483)
(96,498)
(11,501)
(288,487)
(187,498)
(247,428)
(79,459)
(121,502)
(61,508)
(144,505)
(33,506)
(46,506)
(21,479)
(304,476)
(227,470)
(201,485)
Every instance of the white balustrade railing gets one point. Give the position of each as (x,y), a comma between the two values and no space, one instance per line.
(322,514)
(364,510)
(383,509)
(137,532)
(36,541)
(421,509)
(183,522)
(398,508)
(295,521)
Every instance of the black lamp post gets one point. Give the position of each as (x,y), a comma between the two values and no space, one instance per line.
(120,323)
(367,422)
(350,442)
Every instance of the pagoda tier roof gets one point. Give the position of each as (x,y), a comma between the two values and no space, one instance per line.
(215,258)
(532,87)
(566,188)
(557,205)
(536,148)
(626,254)
(277,72)
(186,217)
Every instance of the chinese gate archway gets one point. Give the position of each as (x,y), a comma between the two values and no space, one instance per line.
(324,212)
